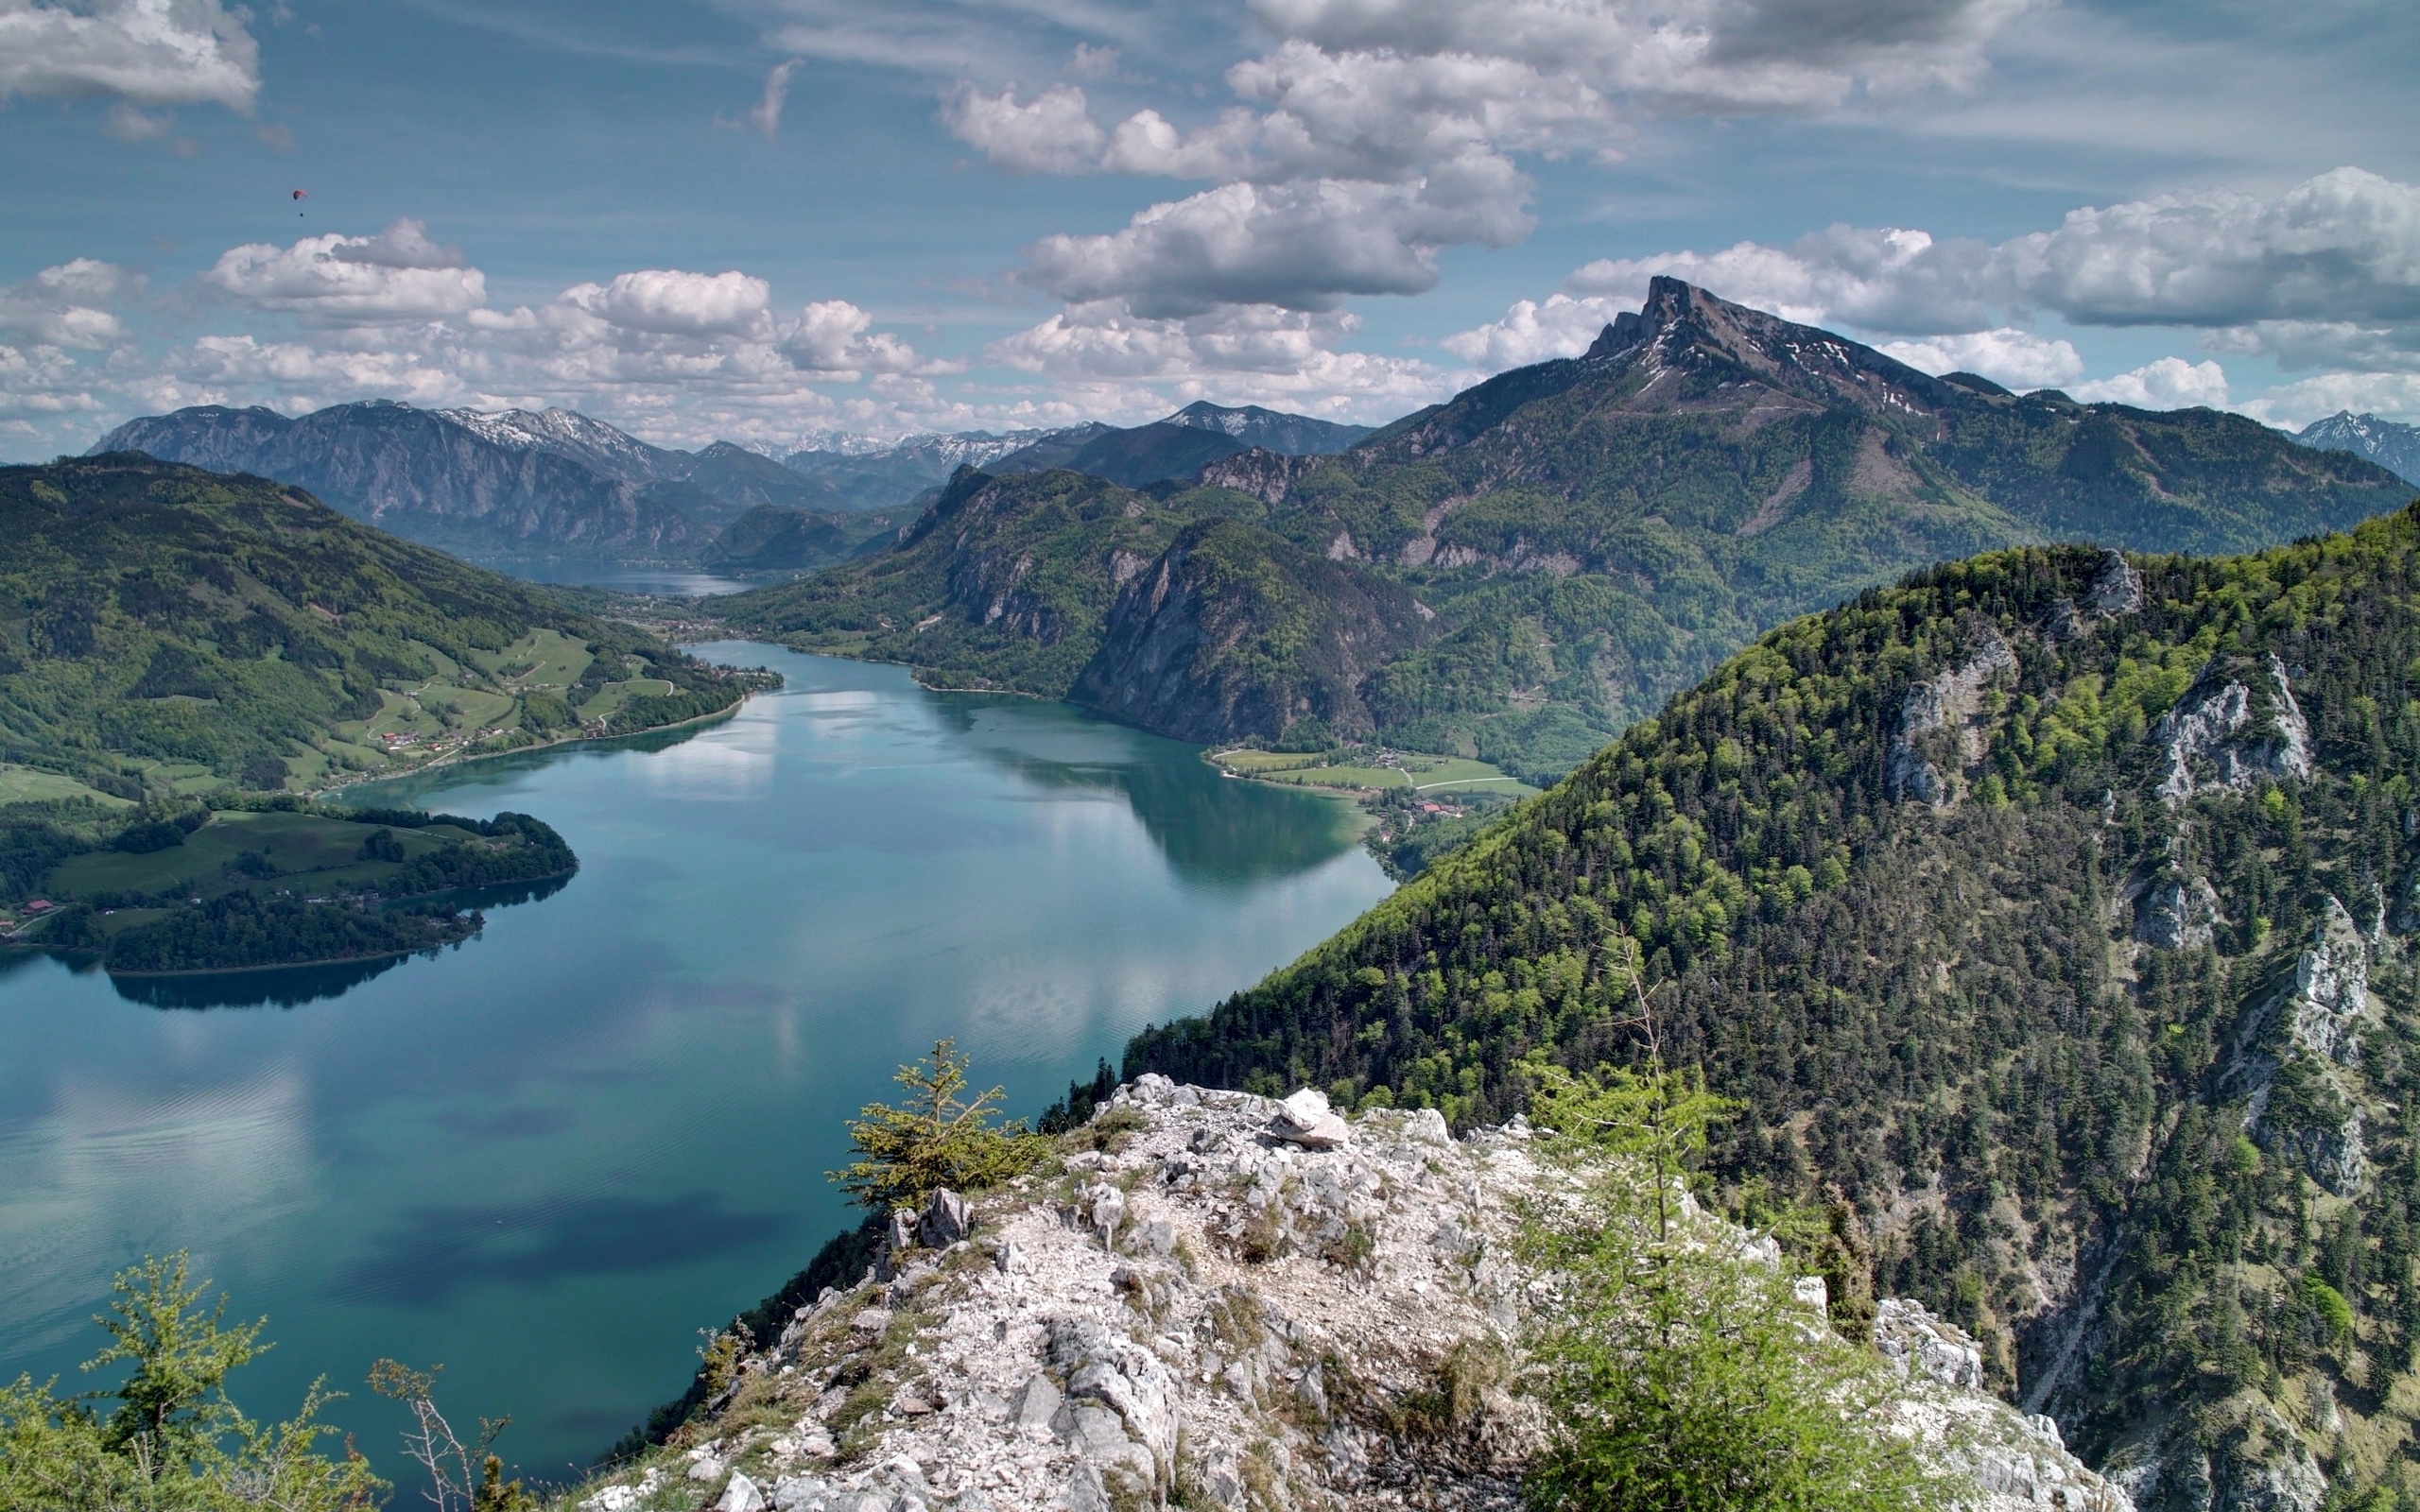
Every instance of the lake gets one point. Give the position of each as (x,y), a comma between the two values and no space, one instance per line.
(548,1158)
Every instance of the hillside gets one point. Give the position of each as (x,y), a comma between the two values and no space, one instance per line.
(167,629)
(2050,914)
(771,538)
(1582,539)
(2389,443)
(1178,448)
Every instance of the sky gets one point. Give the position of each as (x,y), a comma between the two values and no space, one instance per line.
(778,221)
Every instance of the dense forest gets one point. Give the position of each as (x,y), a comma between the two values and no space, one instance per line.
(2047,916)
(1521,573)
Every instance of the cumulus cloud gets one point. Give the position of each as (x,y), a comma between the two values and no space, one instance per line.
(398,275)
(2171,383)
(398,315)
(1052,133)
(1123,363)
(1302,246)
(666,301)
(2013,358)
(68,305)
(1374,133)
(149,52)
(2306,400)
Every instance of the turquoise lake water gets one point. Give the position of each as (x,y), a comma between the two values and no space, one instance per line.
(548,1158)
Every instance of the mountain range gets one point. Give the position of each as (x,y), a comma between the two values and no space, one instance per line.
(508,486)
(2391,444)
(1522,572)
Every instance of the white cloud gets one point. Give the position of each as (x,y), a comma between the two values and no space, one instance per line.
(1695,56)
(1532,332)
(1303,245)
(68,305)
(398,275)
(1374,133)
(667,301)
(2395,395)
(150,52)
(2171,383)
(1119,363)
(2014,358)
(2344,246)
(1053,132)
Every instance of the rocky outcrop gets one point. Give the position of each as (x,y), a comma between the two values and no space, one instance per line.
(1203,1310)
(2235,727)
(2178,913)
(1941,726)
(2297,1058)
(1266,476)
(2241,1457)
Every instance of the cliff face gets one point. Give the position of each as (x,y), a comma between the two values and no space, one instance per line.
(1201,1312)
(1234,631)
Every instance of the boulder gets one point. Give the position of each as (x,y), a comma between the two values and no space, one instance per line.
(741,1495)
(946,1220)
(1305,1119)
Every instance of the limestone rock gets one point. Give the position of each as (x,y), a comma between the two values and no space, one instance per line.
(2235,727)
(946,1220)
(1923,1345)
(740,1495)
(2177,915)
(1305,1119)
(1940,718)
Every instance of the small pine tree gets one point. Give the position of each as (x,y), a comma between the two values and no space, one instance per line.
(935,1139)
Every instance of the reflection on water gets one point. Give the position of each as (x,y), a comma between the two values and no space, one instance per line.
(548,1158)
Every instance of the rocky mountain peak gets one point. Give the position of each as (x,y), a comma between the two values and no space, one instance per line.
(1682,329)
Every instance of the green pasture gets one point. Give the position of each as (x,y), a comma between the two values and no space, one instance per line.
(23,784)
(327,852)
(541,658)
(610,698)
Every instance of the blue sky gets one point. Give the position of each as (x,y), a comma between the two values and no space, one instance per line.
(774,219)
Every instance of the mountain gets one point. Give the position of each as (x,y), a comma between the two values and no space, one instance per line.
(496,485)
(170,625)
(1269,429)
(2050,916)
(2389,443)
(771,539)
(492,491)
(1180,446)
(855,475)
(1582,539)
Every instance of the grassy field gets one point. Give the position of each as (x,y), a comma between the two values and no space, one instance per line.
(543,659)
(23,784)
(324,853)
(1422,772)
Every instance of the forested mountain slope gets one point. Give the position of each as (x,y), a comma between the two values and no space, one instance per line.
(2052,919)
(1580,540)
(161,624)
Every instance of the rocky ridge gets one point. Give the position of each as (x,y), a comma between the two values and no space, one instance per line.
(1214,1299)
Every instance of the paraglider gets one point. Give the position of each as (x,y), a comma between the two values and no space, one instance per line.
(300,195)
